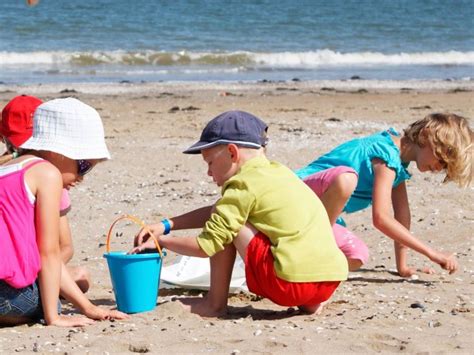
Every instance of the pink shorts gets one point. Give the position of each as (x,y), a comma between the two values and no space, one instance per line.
(263,281)
(348,242)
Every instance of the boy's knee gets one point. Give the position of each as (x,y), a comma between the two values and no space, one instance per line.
(245,235)
(247,231)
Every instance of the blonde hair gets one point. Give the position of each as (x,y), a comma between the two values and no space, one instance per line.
(450,137)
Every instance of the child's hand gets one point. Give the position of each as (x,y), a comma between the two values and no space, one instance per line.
(99,313)
(71,321)
(142,236)
(149,244)
(446,261)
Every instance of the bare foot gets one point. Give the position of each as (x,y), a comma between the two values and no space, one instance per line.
(316,309)
(428,270)
(202,307)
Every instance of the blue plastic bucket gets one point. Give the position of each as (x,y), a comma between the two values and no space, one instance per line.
(135,277)
(135,280)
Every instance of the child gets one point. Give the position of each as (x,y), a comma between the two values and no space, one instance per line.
(68,141)
(265,213)
(373,170)
(16,127)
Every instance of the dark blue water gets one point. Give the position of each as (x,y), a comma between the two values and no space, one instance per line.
(105,40)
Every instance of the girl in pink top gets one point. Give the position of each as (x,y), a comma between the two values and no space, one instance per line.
(16,127)
(67,142)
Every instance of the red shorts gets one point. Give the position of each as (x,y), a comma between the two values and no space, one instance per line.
(263,281)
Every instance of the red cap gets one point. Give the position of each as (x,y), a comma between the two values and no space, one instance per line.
(17,119)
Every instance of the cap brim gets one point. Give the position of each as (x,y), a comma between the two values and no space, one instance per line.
(196,148)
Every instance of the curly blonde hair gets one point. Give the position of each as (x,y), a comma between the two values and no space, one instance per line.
(451,138)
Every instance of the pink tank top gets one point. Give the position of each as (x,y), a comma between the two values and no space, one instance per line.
(19,255)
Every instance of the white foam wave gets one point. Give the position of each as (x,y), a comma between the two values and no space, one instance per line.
(331,58)
(311,59)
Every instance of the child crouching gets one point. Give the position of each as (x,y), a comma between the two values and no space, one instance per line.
(266,214)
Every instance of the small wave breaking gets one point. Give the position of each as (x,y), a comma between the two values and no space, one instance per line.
(286,60)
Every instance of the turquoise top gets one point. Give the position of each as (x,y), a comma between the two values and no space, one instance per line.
(358,154)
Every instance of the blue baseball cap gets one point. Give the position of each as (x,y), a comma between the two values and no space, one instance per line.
(232,127)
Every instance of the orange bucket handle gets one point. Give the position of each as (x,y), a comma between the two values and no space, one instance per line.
(137,221)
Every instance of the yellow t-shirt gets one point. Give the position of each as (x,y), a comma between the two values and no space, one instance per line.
(277,203)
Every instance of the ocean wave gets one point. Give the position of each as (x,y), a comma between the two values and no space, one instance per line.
(287,60)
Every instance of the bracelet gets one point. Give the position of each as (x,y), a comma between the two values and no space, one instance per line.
(166,223)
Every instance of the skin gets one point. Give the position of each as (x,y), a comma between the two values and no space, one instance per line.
(80,274)
(46,182)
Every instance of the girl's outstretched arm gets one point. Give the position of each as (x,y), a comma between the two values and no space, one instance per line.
(401,209)
(397,228)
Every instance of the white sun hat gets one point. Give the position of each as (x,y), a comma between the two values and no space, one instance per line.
(68,127)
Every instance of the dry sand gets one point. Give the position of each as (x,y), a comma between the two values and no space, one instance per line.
(147,127)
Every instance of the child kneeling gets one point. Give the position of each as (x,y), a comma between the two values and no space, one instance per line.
(275,222)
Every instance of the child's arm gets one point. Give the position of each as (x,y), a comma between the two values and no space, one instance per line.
(71,292)
(65,240)
(181,245)
(190,220)
(46,181)
(394,228)
(401,209)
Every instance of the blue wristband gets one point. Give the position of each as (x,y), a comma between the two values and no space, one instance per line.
(167,225)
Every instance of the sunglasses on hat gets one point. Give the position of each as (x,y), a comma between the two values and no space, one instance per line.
(83,167)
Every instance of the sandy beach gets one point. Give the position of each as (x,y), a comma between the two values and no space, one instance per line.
(148,125)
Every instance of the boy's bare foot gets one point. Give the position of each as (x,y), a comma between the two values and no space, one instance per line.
(316,309)
(202,307)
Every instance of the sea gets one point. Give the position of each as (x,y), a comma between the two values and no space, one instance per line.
(108,41)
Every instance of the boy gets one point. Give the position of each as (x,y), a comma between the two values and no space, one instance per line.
(266,214)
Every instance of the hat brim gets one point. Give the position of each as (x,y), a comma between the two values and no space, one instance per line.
(68,150)
(197,147)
